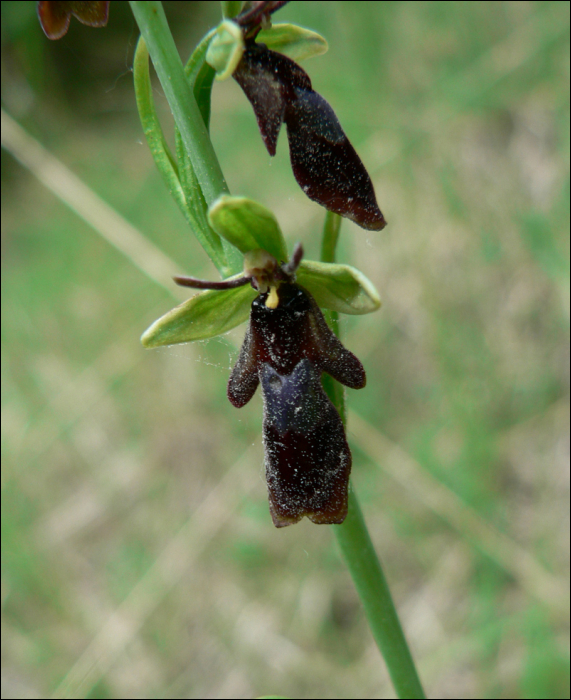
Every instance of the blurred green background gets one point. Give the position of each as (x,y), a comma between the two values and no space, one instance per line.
(139,558)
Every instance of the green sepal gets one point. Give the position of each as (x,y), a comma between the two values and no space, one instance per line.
(247,225)
(205,315)
(295,42)
(338,287)
(226,49)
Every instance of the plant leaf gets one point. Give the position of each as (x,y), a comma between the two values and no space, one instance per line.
(164,160)
(179,177)
(338,287)
(247,225)
(205,315)
(201,76)
(296,42)
(196,204)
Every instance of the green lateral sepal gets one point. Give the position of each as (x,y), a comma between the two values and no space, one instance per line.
(205,315)
(338,287)
(295,42)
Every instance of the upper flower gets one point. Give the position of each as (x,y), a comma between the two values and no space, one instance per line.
(324,163)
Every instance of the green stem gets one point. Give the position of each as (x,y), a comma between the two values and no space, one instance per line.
(356,545)
(330,237)
(365,568)
(154,28)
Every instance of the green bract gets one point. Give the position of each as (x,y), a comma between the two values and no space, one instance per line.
(226,49)
(231,8)
(177,170)
(247,225)
(296,42)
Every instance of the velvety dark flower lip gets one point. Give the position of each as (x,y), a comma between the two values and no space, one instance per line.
(55,15)
(308,461)
(324,163)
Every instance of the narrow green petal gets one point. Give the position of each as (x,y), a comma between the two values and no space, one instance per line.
(338,287)
(293,41)
(205,315)
(226,49)
(247,225)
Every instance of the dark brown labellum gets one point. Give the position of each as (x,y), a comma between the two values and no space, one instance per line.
(324,163)
(287,347)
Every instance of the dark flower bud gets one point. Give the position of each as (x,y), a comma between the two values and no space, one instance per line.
(324,163)
(55,15)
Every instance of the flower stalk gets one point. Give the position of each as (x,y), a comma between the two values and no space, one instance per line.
(355,542)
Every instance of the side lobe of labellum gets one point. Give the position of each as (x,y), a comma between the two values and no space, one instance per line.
(324,163)
(244,378)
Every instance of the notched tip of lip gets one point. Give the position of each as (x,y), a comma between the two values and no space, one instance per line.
(315,518)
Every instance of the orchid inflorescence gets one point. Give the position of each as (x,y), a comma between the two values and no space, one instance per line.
(288,344)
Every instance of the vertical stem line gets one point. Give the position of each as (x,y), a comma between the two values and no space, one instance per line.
(356,545)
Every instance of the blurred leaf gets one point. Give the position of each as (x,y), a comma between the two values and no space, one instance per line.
(542,242)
